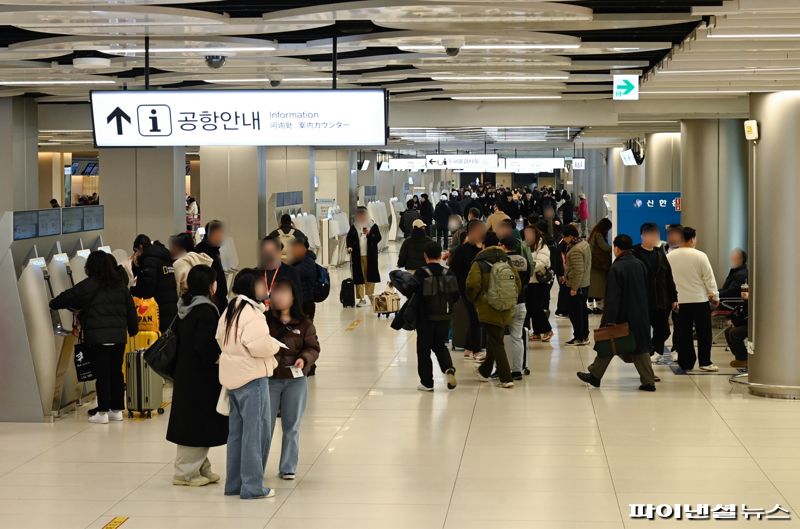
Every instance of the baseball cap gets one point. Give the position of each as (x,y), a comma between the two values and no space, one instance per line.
(418,224)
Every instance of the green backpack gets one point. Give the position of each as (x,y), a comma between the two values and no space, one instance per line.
(502,293)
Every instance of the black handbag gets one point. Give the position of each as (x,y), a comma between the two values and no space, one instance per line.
(163,354)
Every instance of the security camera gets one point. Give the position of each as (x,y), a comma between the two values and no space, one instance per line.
(452,47)
(215,62)
(275,83)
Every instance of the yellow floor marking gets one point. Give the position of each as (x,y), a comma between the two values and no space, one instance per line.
(116,522)
(353,325)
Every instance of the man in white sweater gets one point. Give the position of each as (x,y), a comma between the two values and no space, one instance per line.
(697,295)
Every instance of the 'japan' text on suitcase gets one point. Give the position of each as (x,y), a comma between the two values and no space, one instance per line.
(144,389)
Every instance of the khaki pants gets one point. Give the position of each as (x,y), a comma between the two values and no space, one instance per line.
(366,289)
(640,361)
(191,462)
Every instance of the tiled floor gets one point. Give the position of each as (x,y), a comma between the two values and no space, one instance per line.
(375,453)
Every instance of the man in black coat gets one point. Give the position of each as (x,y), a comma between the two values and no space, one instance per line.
(661,292)
(426,212)
(210,245)
(441,214)
(305,264)
(362,245)
(626,302)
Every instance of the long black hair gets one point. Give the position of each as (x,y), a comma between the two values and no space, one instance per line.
(141,240)
(244,284)
(102,267)
(296,310)
(199,282)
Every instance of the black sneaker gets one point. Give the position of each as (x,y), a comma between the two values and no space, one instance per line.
(647,387)
(450,374)
(589,379)
(516,375)
(574,341)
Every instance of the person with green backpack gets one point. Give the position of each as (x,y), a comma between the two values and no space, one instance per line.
(493,286)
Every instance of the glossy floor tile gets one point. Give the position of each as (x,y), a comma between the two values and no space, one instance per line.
(377,454)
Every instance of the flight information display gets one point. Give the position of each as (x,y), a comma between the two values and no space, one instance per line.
(93,218)
(72,220)
(26,225)
(49,222)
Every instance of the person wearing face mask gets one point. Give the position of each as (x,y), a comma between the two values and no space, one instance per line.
(458,230)
(273,267)
(288,386)
(442,215)
(194,424)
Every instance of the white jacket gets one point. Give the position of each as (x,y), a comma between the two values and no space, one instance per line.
(184,264)
(541,260)
(250,351)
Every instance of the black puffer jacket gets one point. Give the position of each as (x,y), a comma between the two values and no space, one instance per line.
(307,271)
(412,251)
(107,314)
(155,278)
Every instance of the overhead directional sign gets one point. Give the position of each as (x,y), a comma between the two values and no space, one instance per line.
(626,87)
(340,118)
(462,162)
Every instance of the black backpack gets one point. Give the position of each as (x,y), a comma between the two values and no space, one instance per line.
(439,294)
(322,285)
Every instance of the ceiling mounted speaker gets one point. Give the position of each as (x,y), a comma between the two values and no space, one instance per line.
(91,63)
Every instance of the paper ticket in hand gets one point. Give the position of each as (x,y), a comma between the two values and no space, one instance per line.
(296,372)
(280,344)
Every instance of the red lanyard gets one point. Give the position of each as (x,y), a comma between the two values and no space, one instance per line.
(268,284)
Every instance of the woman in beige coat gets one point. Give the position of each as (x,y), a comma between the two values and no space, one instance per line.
(245,365)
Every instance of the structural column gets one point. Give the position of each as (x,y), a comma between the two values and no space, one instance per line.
(624,178)
(233,187)
(19,144)
(596,178)
(774,369)
(143,191)
(338,177)
(663,162)
(714,186)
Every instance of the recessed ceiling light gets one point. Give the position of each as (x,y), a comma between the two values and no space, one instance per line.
(754,35)
(57,82)
(215,49)
(500,77)
(503,98)
(753,69)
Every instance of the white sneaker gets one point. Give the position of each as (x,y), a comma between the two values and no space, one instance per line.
(505,385)
(479,357)
(115,415)
(477,372)
(710,368)
(287,477)
(99,418)
(361,303)
(421,387)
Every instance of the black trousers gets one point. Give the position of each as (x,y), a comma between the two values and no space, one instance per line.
(735,336)
(563,305)
(537,301)
(694,317)
(432,337)
(579,314)
(675,331)
(442,235)
(659,321)
(110,386)
(473,340)
(495,353)
(310,309)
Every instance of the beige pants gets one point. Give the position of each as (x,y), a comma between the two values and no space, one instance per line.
(367,289)
(640,361)
(191,461)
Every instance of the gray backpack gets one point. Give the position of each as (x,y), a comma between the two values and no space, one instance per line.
(502,293)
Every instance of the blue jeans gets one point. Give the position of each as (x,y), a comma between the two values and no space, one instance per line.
(289,395)
(249,436)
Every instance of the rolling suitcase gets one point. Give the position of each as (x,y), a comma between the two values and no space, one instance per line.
(347,294)
(144,388)
(141,341)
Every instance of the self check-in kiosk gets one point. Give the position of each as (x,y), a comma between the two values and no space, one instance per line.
(42,253)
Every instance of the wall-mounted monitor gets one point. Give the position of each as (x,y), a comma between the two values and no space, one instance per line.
(93,218)
(72,220)
(95,170)
(26,225)
(49,222)
(628,158)
(87,171)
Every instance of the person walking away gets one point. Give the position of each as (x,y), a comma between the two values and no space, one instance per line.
(601,263)
(455,203)
(305,264)
(577,275)
(438,291)
(537,292)
(737,276)
(286,233)
(194,424)
(272,266)
(210,245)
(106,316)
(412,251)
(568,209)
(441,215)
(516,327)
(493,286)
(288,386)
(362,245)
(674,241)
(662,296)
(697,294)
(426,212)
(155,278)
(626,302)
(583,214)
(408,217)
(461,263)
(246,362)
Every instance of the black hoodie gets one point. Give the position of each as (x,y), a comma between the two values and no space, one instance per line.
(155,278)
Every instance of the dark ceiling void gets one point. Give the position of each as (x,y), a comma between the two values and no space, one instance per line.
(645,6)
(673,33)
(11,35)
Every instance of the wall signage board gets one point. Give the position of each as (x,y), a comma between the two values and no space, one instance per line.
(533,165)
(579,164)
(462,162)
(174,118)
(634,209)
(407,164)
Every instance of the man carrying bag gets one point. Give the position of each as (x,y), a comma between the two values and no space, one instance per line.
(626,306)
